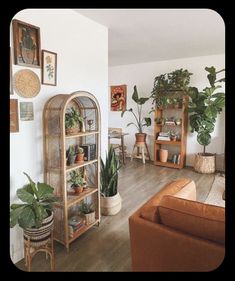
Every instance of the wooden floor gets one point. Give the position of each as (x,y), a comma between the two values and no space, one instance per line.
(107,247)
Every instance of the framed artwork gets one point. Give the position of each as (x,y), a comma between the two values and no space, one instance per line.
(49,68)
(27,44)
(11,83)
(14,124)
(118,98)
(26,111)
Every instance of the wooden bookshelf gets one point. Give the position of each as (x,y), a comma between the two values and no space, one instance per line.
(172,146)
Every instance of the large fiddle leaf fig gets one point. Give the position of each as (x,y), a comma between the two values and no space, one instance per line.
(205,106)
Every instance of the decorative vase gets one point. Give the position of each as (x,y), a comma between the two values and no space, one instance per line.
(140,137)
(163,154)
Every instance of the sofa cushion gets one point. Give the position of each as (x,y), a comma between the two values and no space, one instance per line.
(149,209)
(195,218)
(187,192)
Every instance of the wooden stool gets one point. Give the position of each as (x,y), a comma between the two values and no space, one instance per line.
(30,250)
(140,146)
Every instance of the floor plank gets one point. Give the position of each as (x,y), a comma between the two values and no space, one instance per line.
(107,247)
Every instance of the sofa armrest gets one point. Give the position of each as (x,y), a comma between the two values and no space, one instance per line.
(149,209)
(155,247)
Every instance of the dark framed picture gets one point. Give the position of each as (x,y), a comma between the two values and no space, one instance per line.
(14,122)
(27,45)
(118,98)
(49,67)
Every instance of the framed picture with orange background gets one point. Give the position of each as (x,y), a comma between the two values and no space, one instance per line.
(118,98)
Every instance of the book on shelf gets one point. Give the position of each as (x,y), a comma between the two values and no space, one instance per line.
(89,151)
(163,138)
(176,159)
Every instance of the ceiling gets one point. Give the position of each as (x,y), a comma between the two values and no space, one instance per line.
(144,35)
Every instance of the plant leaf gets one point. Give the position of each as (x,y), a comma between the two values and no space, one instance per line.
(135,95)
(25,196)
(27,217)
(44,189)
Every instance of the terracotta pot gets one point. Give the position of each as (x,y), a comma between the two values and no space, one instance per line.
(80,157)
(140,137)
(78,189)
(163,154)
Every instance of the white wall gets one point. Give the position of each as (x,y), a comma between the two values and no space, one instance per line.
(142,75)
(82,64)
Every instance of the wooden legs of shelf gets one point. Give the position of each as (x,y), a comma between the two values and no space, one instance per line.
(140,149)
(30,250)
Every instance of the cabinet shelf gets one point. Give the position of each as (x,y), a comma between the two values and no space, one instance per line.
(76,166)
(74,199)
(57,172)
(168,142)
(82,230)
(82,134)
(176,149)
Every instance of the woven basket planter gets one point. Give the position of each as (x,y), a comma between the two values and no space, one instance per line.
(204,163)
(110,205)
(40,236)
(90,218)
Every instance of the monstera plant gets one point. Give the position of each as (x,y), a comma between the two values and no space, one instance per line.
(204,107)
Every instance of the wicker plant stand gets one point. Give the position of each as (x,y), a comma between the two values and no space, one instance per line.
(31,249)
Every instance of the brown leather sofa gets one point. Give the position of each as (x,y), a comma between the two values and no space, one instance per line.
(173,232)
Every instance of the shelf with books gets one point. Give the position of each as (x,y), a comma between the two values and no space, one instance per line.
(75,179)
(171,134)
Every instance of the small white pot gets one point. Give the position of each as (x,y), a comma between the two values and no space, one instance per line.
(110,205)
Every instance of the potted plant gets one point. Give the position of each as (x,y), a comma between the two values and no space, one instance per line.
(73,121)
(35,215)
(89,212)
(71,154)
(110,201)
(140,121)
(80,154)
(169,88)
(77,181)
(204,108)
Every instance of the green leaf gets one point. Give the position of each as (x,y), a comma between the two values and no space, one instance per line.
(44,189)
(15,214)
(135,95)
(16,206)
(204,138)
(27,218)
(142,100)
(212,75)
(25,196)
(147,121)
(33,185)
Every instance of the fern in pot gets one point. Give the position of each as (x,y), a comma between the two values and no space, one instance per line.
(35,214)
(111,201)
